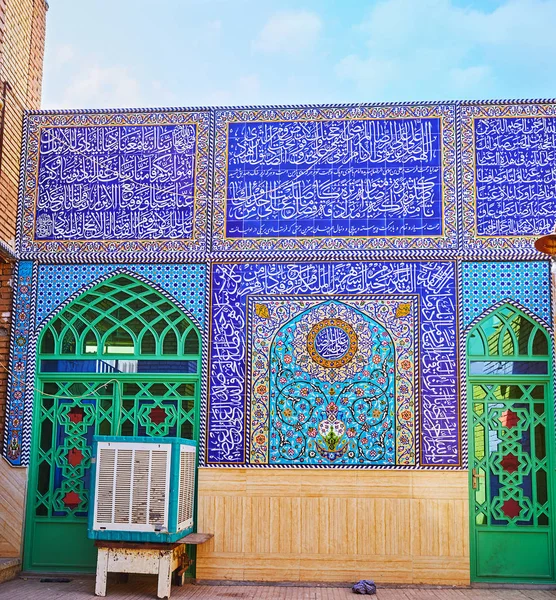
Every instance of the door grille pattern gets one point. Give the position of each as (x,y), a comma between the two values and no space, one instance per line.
(510,455)
(510,425)
(119,360)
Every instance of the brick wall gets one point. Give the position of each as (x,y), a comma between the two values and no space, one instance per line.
(22,31)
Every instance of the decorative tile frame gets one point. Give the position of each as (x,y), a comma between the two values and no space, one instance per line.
(397,316)
(91,249)
(446,113)
(33,312)
(233,283)
(514,242)
(17,437)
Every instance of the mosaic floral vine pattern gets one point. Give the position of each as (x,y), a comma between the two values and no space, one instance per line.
(330,383)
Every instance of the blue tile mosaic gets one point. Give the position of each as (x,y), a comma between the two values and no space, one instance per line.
(108,182)
(186,283)
(508,174)
(234,344)
(486,283)
(363,177)
(334,178)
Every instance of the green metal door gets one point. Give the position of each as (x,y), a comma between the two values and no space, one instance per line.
(119,360)
(510,411)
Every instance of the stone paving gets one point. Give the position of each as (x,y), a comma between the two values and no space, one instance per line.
(142,587)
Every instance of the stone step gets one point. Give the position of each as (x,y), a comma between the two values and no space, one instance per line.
(9,568)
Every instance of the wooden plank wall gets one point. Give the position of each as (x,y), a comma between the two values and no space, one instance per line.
(12,502)
(334,525)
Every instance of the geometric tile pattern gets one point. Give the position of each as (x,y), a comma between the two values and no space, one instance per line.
(486,283)
(185,283)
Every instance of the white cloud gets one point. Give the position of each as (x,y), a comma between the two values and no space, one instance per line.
(289,32)
(435,49)
(101,87)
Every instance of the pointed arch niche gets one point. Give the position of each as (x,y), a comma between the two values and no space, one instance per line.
(332,381)
(510,410)
(123,359)
(507,341)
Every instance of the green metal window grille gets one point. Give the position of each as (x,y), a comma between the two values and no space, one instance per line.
(508,373)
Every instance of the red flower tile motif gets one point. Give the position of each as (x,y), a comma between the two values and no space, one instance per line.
(76,414)
(510,463)
(157,415)
(75,456)
(511,508)
(72,500)
(508,419)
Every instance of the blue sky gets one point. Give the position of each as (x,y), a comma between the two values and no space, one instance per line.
(135,53)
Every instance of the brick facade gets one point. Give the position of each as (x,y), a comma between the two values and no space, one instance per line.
(22,34)
(22,31)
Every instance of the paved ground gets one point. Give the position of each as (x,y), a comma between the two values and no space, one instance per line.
(143,588)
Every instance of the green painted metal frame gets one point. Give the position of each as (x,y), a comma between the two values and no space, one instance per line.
(519,380)
(180,327)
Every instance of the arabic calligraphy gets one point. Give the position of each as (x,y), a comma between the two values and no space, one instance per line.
(515,175)
(376,177)
(133,182)
(332,343)
(434,282)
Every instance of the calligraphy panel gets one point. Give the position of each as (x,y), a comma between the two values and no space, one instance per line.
(335,178)
(508,174)
(113,182)
(423,291)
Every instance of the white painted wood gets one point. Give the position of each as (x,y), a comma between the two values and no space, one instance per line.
(133,561)
(139,560)
(165,575)
(102,572)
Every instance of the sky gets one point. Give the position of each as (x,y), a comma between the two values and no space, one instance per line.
(190,53)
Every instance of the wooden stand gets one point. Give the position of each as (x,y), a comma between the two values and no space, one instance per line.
(143,557)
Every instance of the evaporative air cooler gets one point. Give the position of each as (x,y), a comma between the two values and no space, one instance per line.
(143,489)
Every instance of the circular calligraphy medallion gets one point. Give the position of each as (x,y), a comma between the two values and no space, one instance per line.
(332,343)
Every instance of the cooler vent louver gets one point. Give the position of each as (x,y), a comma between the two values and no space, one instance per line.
(187,488)
(144,489)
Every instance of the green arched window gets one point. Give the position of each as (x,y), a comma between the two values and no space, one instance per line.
(510,424)
(120,359)
(122,316)
(507,342)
